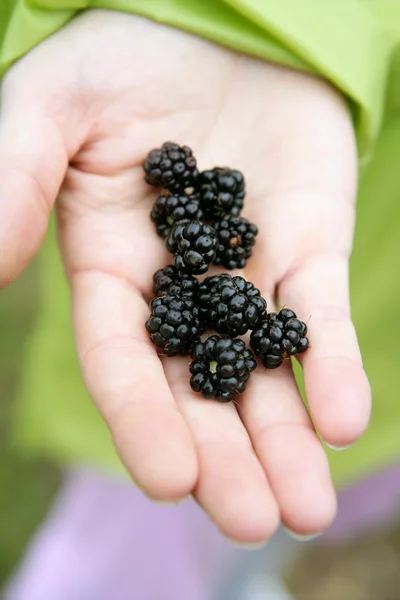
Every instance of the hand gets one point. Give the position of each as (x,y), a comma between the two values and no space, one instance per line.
(79,114)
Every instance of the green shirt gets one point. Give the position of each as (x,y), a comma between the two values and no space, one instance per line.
(355,44)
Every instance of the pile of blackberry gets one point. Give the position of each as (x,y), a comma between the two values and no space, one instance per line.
(198,216)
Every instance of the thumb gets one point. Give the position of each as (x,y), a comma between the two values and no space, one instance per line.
(33,161)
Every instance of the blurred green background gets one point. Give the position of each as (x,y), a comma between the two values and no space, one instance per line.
(26,488)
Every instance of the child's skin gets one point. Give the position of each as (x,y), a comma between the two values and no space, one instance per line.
(80,113)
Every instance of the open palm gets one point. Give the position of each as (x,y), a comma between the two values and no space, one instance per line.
(79,114)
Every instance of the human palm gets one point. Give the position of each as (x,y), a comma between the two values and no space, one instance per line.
(79,114)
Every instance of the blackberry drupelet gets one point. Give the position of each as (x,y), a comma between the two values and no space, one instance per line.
(172,167)
(220,367)
(222,192)
(169,281)
(236,237)
(280,336)
(174,324)
(168,210)
(193,244)
(231,305)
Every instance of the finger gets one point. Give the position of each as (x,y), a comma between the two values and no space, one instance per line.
(33,161)
(125,377)
(336,384)
(232,486)
(289,450)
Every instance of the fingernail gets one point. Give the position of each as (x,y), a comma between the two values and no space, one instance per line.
(168,502)
(249,546)
(338,448)
(302,537)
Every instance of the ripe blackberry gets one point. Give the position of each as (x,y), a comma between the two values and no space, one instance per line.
(169,281)
(231,305)
(222,192)
(280,336)
(220,367)
(172,167)
(174,324)
(236,237)
(193,244)
(168,210)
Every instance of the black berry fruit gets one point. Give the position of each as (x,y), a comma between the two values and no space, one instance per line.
(236,238)
(280,336)
(174,324)
(172,167)
(231,305)
(222,192)
(169,281)
(220,367)
(193,244)
(168,210)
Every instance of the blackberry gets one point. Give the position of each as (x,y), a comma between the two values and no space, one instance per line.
(169,281)
(174,324)
(168,210)
(280,336)
(231,305)
(220,367)
(172,167)
(222,192)
(236,237)
(193,244)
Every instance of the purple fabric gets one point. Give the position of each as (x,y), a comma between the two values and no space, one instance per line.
(366,506)
(104,540)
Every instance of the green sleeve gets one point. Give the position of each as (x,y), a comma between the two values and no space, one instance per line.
(345,41)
